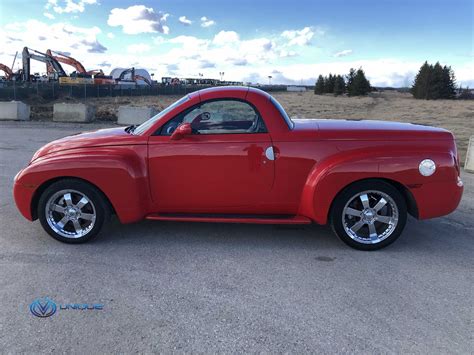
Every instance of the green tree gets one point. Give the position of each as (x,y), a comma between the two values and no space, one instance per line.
(434,82)
(329,84)
(350,80)
(422,82)
(357,83)
(339,85)
(435,87)
(448,83)
(319,87)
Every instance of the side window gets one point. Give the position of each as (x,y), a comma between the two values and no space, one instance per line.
(219,117)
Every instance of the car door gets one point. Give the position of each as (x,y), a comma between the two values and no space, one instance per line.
(224,166)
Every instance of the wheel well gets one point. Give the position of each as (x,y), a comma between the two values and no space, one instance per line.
(39,191)
(404,191)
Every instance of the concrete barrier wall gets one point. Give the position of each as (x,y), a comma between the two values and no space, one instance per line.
(469,164)
(73,113)
(14,110)
(128,115)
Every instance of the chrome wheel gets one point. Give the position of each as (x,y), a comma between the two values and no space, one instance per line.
(70,213)
(370,217)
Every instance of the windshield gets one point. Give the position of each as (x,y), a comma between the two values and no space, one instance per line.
(283,113)
(147,124)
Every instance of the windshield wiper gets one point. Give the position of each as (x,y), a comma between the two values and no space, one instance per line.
(131,128)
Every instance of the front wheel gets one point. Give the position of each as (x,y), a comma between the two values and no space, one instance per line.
(369,215)
(72,211)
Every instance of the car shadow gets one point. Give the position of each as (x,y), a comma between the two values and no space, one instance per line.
(418,235)
(230,234)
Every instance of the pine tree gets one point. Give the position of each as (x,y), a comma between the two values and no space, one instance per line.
(329,84)
(319,87)
(422,82)
(434,82)
(435,88)
(350,80)
(448,83)
(357,83)
(339,85)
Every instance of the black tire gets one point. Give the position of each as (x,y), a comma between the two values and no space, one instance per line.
(97,206)
(371,188)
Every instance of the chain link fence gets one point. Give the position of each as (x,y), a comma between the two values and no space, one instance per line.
(13,90)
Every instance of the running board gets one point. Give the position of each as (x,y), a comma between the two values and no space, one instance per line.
(254,219)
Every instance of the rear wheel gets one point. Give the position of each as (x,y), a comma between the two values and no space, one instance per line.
(72,211)
(369,215)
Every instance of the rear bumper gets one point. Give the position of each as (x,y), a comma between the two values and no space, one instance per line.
(437,198)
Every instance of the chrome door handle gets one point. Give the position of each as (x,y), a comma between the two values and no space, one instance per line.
(269,153)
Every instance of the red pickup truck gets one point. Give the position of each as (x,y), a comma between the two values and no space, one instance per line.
(232,154)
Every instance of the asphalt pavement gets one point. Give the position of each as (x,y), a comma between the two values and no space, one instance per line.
(191,287)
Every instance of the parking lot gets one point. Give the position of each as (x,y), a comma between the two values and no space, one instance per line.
(188,287)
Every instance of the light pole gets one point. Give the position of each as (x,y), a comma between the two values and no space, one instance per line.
(221,73)
(270,80)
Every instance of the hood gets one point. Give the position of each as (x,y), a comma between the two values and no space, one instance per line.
(99,138)
(371,130)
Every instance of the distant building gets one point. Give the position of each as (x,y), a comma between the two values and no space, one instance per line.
(295,88)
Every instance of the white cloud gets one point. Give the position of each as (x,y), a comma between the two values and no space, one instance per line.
(159,40)
(299,37)
(343,53)
(207,22)
(185,21)
(81,42)
(286,54)
(138,19)
(68,6)
(251,59)
(226,37)
(48,15)
(110,35)
(138,48)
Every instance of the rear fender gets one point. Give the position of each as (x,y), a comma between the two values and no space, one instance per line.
(332,175)
(328,178)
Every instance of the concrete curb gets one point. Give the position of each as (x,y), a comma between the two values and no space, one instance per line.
(469,163)
(134,115)
(14,110)
(73,113)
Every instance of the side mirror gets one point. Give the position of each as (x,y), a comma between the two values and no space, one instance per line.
(183,130)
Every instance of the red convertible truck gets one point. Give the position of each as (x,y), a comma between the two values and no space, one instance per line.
(232,154)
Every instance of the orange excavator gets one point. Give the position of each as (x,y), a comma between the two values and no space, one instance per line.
(8,72)
(99,77)
(133,77)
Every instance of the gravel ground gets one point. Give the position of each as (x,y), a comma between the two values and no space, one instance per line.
(183,287)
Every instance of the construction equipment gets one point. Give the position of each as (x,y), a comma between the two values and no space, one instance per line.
(57,72)
(79,76)
(8,72)
(167,80)
(133,77)
(60,57)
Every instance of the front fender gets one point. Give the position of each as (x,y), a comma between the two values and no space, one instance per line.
(120,172)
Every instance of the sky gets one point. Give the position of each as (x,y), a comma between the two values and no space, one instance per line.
(291,41)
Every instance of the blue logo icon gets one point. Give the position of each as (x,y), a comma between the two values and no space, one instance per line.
(43,307)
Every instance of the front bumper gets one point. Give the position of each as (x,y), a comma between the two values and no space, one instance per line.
(23,195)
